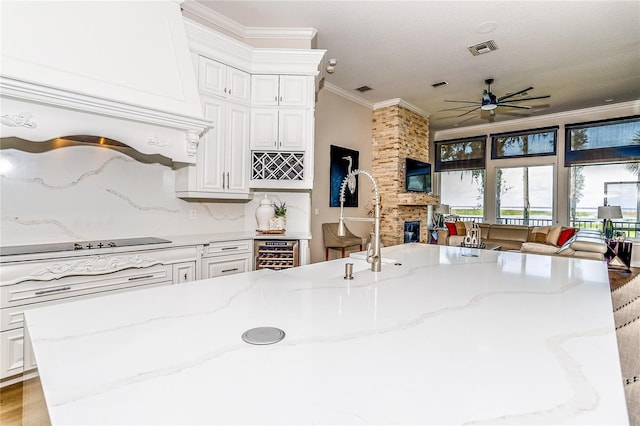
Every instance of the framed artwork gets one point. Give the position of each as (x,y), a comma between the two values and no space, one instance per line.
(342,162)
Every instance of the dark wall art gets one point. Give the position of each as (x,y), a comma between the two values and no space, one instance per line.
(343,161)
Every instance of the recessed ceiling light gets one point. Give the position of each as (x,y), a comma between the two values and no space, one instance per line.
(486,27)
(609,100)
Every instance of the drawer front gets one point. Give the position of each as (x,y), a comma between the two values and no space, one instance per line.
(225,265)
(28,292)
(229,247)
(12,318)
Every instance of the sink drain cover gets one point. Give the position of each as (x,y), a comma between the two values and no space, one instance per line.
(263,335)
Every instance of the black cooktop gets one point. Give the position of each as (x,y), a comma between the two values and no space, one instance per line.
(79,245)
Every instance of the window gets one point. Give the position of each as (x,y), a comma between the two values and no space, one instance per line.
(595,185)
(524,195)
(460,154)
(463,191)
(523,144)
(601,141)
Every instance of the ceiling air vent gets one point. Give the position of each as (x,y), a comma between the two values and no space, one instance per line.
(439,84)
(362,89)
(484,47)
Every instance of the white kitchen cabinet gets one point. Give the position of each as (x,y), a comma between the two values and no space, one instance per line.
(222,166)
(33,284)
(218,79)
(280,129)
(282,90)
(227,258)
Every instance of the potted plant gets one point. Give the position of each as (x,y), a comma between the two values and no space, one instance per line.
(279,221)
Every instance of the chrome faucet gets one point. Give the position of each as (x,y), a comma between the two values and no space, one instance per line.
(373,248)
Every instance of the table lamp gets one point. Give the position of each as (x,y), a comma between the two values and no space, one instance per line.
(607,213)
(440,212)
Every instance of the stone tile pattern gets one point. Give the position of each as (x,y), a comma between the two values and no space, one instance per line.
(399,133)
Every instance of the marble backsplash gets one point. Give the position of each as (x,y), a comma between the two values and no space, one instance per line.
(65,191)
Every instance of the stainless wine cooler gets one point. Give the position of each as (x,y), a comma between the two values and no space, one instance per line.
(276,254)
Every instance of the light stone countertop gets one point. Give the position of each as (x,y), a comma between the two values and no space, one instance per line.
(443,338)
(175,241)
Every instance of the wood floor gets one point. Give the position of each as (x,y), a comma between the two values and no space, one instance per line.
(12,404)
(11,397)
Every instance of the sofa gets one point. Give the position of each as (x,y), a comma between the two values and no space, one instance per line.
(548,240)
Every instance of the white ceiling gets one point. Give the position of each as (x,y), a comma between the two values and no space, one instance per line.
(579,52)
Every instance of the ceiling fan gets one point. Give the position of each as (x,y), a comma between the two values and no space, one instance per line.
(489,101)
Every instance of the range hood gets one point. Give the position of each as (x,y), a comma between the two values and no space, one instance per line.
(115,69)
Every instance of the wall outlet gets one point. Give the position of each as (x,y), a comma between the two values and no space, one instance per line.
(193,214)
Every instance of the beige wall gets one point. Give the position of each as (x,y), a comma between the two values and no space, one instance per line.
(344,123)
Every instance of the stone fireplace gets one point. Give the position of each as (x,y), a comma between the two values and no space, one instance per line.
(400,131)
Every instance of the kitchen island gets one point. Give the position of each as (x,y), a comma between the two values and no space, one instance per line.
(441,335)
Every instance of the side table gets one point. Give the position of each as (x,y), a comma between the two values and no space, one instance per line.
(618,255)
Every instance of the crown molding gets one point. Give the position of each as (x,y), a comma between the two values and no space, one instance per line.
(221,21)
(281,33)
(566,117)
(403,104)
(347,95)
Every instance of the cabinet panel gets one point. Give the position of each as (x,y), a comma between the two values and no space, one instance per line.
(225,265)
(218,79)
(212,77)
(264,129)
(184,272)
(294,91)
(292,129)
(12,359)
(238,85)
(229,247)
(210,160)
(264,90)
(237,148)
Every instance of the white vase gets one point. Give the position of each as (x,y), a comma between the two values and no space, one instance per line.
(264,213)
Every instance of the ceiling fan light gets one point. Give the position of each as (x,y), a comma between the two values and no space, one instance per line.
(488,107)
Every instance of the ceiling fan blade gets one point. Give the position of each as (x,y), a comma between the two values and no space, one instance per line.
(457,108)
(465,102)
(510,95)
(471,110)
(530,99)
(515,106)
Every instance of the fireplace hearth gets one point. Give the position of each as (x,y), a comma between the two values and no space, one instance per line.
(412,232)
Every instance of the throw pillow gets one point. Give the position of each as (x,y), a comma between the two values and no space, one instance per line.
(565,234)
(552,236)
(539,234)
(460,228)
(451,226)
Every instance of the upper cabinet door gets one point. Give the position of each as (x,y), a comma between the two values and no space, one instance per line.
(264,90)
(295,91)
(215,78)
(212,77)
(238,84)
